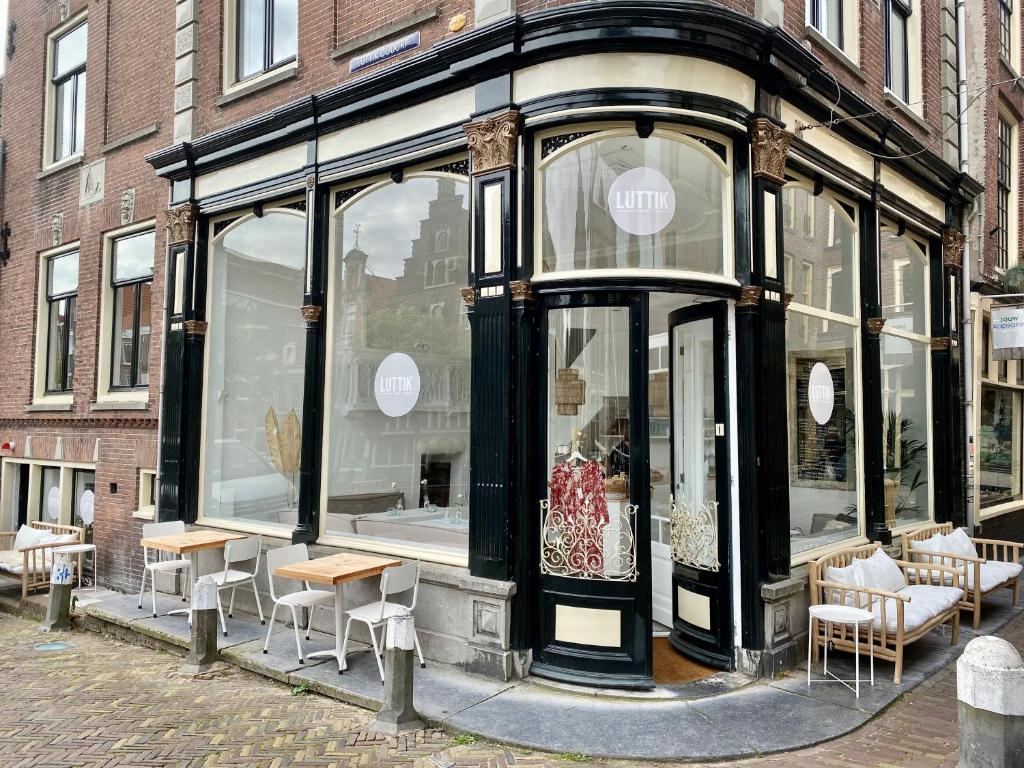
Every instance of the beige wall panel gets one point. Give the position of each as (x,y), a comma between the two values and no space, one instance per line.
(588,626)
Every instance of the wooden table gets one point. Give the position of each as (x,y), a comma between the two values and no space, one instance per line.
(335,570)
(190,543)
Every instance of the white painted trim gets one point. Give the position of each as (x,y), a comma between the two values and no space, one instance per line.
(7,508)
(39,395)
(633,70)
(827,142)
(911,194)
(49,164)
(265,166)
(734,473)
(630,109)
(103,355)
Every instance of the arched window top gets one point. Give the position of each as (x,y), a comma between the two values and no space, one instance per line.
(269,237)
(610,200)
(903,276)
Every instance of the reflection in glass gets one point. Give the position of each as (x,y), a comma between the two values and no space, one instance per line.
(49,495)
(999,454)
(400,257)
(904,282)
(820,251)
(578,231)
(905,412)
(256,348)
(251,35)
(823,504)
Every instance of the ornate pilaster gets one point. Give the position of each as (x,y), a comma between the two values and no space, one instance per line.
(953,241)
(468,296)
(940,343)
(196,327)
(310,313)
(493,142)
(750,296)
(769,144)
(875,325)
(520,290)
(181,224)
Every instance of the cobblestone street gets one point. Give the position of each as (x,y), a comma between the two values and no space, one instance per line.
(105,703)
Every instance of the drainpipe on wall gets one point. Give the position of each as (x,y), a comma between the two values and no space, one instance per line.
(160,399)
(967,334)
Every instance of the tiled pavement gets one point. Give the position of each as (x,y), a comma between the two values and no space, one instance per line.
(104,703)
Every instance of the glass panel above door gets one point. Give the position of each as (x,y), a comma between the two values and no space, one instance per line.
(610,200)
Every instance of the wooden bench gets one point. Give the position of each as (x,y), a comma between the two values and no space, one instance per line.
(36,561)
(888,607)
(979,582)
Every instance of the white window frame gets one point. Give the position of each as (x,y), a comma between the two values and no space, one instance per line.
(850,20)
(104,394)
(1012,57)
(39,394)
(229,69)
(50,111)
(837,204)
(1013,207)
(9,465)
(920,338)
(147,487)
(671,131)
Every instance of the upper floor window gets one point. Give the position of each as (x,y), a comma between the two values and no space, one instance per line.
(897,59)
(61,297)
(1005,192)
(67,93)
(131,281)
(267,35)
(1005,25)
(826,16)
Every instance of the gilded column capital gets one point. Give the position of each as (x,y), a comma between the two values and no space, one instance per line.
(875,325)
(310,313)
(520,290)
(468,296)
(181,224)
(769,144)
(953,247)
(750,296)
(196,327)
(493,142)
(940,343)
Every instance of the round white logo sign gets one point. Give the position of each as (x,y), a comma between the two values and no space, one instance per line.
(87,507)
(821,393)
(53,503)
(642,201)
(397,384)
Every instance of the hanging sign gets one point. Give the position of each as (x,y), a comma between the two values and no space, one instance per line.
(821,393)
(396,386)
(1008,333)
(641,201)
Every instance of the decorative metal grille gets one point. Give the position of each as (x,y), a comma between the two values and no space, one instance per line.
(342,196)
(223,224)
(554,143)
(457,167)
(695,535)
(582,546)
(715,146)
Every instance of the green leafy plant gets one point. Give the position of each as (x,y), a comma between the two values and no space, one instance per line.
(464,739)
(905,461)
(301,689)
(573,757)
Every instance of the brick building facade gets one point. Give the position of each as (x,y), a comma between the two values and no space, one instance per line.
(479,101)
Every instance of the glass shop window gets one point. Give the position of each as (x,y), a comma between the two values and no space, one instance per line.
(396,456)
(49,495)
(822,369)
(903,277)
(610,200)
(255,345)
(83,498)
(587,520)
(999,446)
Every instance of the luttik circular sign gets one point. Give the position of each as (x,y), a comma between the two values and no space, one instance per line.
(641,201)
(397,384)
(821,393)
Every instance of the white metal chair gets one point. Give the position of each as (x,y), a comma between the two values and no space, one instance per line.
(161,565)
(238,551)
(393,581)
(304,598)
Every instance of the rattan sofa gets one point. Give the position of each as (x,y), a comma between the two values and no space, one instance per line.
(891,631)
(31,565)
(982,578)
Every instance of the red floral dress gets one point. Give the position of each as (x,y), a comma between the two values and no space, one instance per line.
(578,493)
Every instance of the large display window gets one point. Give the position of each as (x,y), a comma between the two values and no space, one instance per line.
(255,363)
(611,200)
(999,446)
(906,376)
(396,457)
(822,368)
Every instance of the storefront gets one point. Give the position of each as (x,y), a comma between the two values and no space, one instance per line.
(588,326)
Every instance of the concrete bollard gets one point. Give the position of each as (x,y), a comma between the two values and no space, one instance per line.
(58,609)
(398,714)
(203,653)
(990,706)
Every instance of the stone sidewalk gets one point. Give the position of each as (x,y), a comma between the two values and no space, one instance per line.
(101,702)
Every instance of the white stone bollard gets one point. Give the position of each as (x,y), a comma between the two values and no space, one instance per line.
(398,714)
(990,693)
(58,609)
(203,652)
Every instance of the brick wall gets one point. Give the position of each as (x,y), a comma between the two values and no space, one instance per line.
(129,76)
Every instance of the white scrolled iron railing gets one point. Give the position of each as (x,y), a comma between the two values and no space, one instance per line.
(581,545)
(694,535)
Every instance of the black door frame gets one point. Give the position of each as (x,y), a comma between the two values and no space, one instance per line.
(714,647)
(630,666)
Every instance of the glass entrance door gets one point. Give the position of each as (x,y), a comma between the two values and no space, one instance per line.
(700,595)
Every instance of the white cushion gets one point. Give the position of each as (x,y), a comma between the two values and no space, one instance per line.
(935,544)
(845,575)
(879,572)
(960,543)
(28,537)
(926,602)
(65,538)
(993,573)
(10,560)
